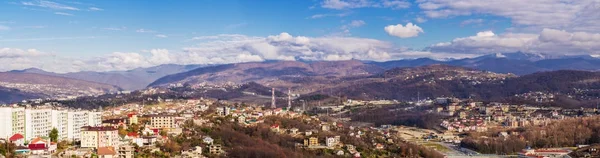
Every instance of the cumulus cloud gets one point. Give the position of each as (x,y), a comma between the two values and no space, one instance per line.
(350,4)
(548,41)
(230,48)
(410,30)
(558,14)
(288,47)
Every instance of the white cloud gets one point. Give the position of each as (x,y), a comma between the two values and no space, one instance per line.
(161,36)
(410,30)
(548,41)
(420,20)
(4,28)
(345,29)
(95,9)
(63,13)
(357,23)
(287,47)
(318,16)
(395,4)
(144,31)
(351,4)
(558,14)
(49,5)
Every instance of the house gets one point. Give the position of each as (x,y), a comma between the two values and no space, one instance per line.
(379,146)
(133,119)
(325,127)
(339,153)
(351,149)
(39,146)
(275,128)
(107,152)
(330,142)
(545,153)
(17,139)
(195,152)
(294,131)
(208,140)
(312,141)
(215,149)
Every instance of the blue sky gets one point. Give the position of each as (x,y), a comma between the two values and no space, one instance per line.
(120,35)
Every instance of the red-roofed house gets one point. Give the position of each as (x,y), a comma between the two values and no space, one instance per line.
(17,139)
(41,146)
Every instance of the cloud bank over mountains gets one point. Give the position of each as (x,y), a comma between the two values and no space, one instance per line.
(235,48)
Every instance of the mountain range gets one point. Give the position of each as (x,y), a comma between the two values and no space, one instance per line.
(134,79)
(306,77)
(31,85)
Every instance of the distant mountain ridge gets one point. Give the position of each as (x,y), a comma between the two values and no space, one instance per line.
(517,63)
(48,86)
(133,79)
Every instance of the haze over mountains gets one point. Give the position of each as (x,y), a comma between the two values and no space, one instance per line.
(304,77)
(128,80)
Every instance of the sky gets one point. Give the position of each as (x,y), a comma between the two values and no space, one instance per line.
(69,36)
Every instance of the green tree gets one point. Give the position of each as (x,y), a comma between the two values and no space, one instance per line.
(122,131)
(54,135)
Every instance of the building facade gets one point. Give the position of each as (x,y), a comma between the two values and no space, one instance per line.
(60,121)
(13,120)
(162,121)
(38,122)
(96,137)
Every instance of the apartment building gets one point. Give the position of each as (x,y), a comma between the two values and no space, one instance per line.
(96,137)
(60,121)
(76,120)
(12,120)
(38,122)
(94,118)
(162,121)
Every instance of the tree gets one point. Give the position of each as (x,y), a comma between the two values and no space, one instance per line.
(54,135)
(122,131)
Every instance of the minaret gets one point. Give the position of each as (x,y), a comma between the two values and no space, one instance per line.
(273,99)
(289,99)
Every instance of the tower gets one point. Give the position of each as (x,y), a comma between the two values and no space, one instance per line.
(273,98)
(289,98)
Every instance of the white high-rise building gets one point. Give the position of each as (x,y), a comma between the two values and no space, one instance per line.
(38,122)
(94,118)
(76,120)
(32,122)
(12,120)
(60,121)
